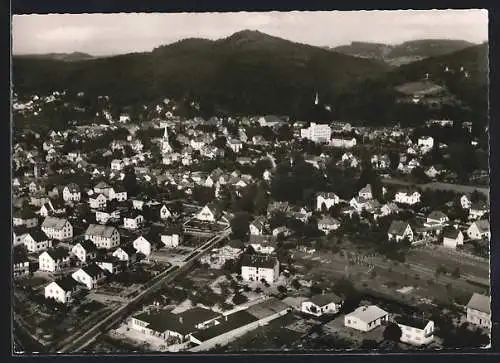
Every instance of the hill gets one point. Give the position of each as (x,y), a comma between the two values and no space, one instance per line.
(246,73)
(65,57)
(403,53)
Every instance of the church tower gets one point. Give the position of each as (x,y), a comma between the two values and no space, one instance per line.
(165,144)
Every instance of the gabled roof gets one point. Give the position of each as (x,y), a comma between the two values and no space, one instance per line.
(328,220)
(450,232)
(327,195)
(479,206)
(414,322)
(38,235)
(324,299)
(128,249)
(67,283)
(261,261)
(73,188)
(259,222)
(99,230)
(368,313)
(398,227)
(480,302)
(173,229)
(58,254)
(93,270)
(88,245)
(102,185)
(437,214)
(483,225)
(366,189)
(54,222)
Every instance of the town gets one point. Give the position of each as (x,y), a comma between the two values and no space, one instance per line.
(147,231)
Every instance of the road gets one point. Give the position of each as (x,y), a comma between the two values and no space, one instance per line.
(85,338)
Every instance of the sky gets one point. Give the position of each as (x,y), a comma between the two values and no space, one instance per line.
(106,34)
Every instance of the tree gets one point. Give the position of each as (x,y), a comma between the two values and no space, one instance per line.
(130,182)
(392,332)
(282,289)
(394,159)
(240,225)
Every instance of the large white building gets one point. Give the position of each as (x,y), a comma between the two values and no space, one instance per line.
(328,199)
(479,310)
(317,133)
(61,290)
(409,198)
(57,228)
(415,331)
(103,236)
(257,267)
(322,304)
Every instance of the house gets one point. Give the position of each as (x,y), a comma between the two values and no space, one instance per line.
(322,304)
(326,199)
(19,233)
(452,237)
(53,260)
(133,221)
(257,227)
(479,310)
(343,143)
(477,210)
(175,328)
(317,133)
(118,193)
(25,217)
(366,318)
(434,171)
(142,245)
(328,224)
(102,188)
(126,253)
(235,145)
(388,209)
(256,267)
(262,248)
(210,213)
(117,165)
(90,276)
(109,264)
(71,193)
(165,213)
(399,230)
(85,251)
(437,218)
(106,237)
(36,240)
(52,207)
(366,192)
(98,202)
(465,202)
(103,216)
(283,231)
(20,262)
(415,331)
(407,197)
(57,228)
(425,142)
(61,290)
(171,237)
(479,229)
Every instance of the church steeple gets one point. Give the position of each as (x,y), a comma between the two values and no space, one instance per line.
(316,100)
(166,148)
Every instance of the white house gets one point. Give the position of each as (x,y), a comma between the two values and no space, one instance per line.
(106,237)
(171,237)
(90,276)
(452,237)
(61,290)
(53,260)
(235,145)
(477,210)
(98,202)
(366,192)
(209,213)
(328,224)
(257,267)
(366,318)
(165,213)
(437,218)
(479,310)
(142,245)
(85,250)
(479,229)
(57,228)
(71,193)
(319,305)
(117,165)
(409,198)
(133,221)
(118,193)
(415,331)
(399,230)
(36,241)
(25,217)
(257,227)
(126,254)
(328,199)
(317,133)
(102,188)
(425,142)
(343,143)
(465,202)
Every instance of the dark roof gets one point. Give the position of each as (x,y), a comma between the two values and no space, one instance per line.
(19,255)
(88,245)
(25,213)
(93,270)
(197,315)
(397,227)
(437,214)
(58,253)
(129,250)
(163,320)
(324,299)
(173,229)
(38,235)
(479,206)
(54,222)
(414,322)
(480,302)
(483,225)
(450,232)
(234,321)
(73,187)
(57,203)
(102,185)
(262,261)
(67,283)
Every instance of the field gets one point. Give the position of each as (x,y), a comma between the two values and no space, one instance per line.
(421,88)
